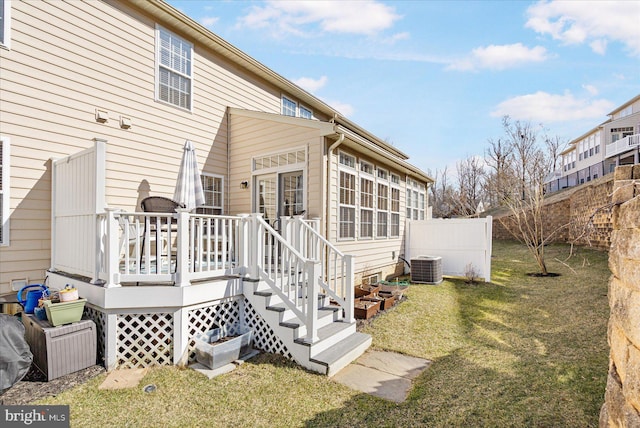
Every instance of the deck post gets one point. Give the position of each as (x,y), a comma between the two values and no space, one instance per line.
(313,288)
(255,246)
(242,243)
(349,284)
(182,262)
(111,252)
(181,337)
(111,341)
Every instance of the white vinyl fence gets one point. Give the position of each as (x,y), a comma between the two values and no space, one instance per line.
(460,242)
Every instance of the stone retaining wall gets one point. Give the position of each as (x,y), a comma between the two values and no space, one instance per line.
(586,208)
(622,396)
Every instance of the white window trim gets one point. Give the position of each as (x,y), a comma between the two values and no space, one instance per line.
(356,223)
(6,187)
(351,168)
(381,181)
(302,107)
(360,208)
(222,195)
(284,97)
(157,70)
(6,25)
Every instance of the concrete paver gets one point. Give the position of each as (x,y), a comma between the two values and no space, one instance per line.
(386,375)
(123,378)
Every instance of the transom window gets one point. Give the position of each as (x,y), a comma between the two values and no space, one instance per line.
(279,160)
(366,167)
(347,160)
(175,74)
(383,174)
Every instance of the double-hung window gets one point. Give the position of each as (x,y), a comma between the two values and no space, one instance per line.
(416,200)
(383,210)
(212,186)
(366,207)
(394,227)
(347,202)
(174,69)
(4,190)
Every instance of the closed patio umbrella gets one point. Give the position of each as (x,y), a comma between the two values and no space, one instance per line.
(189,187)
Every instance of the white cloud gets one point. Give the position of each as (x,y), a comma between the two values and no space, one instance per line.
(544,107)
(366,17)
(594,22)
(209,21)
(344,108)
(310,84)
(593,91)
(500,57)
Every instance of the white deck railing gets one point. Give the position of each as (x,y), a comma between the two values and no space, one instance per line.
(162,247)
(622,145)
(337,268)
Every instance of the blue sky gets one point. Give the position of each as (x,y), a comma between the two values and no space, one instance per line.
(434,78)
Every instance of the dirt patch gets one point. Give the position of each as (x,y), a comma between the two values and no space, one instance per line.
(34,385)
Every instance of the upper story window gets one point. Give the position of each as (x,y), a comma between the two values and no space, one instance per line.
(620,133)
(5,23)
(212,186)
(289,108)
(305,113)
(383,174)
(174,69)
(4,190)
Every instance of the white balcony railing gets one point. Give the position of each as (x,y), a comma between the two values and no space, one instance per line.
(622,145)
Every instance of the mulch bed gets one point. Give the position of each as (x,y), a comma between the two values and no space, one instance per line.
(34,385)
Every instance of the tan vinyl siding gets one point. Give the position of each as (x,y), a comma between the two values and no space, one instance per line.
(68,59)
(255,137)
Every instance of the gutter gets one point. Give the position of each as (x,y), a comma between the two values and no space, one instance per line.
(328,187)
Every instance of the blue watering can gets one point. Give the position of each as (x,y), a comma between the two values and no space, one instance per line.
(31,302)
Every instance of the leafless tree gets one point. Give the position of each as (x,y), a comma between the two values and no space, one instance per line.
(532,163)
(442,194)
(499,158)
(470,190)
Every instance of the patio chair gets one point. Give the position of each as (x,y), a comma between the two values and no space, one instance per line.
(158,204)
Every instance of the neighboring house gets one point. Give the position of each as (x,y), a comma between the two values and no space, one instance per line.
(597,152)
(96,101)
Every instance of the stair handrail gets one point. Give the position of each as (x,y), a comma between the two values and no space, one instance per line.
(336,267)
(290,275)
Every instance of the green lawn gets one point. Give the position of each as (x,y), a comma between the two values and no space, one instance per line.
(521,351)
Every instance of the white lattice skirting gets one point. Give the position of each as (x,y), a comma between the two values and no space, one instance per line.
(147,339)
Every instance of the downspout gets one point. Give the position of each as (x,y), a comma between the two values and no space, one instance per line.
(328,190)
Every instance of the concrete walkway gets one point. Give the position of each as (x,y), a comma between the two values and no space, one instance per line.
(386,375)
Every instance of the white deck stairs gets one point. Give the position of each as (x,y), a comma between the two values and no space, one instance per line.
(338,342)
